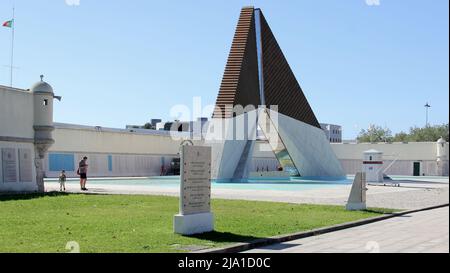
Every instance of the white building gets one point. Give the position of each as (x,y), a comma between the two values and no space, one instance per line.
(193,127)
(333,132)
(26,125)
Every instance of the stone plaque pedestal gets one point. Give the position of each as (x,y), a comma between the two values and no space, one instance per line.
(194,223)
(195,189)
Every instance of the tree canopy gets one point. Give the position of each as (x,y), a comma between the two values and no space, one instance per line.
(416,134)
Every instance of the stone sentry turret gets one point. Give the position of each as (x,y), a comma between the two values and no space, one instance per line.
(441,157)
(43,96)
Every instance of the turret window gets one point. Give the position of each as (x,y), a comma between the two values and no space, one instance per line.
(45,103)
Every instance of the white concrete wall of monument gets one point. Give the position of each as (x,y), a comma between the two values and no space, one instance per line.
(16,113)
(227,153)
(308,147)
(18,186)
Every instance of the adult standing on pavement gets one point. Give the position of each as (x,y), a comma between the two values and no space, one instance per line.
(82,170)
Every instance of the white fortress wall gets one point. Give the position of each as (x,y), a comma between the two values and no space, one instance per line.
(16,135)
(16,113)
(398,158)
(111,152)
(22,172)
(119,153)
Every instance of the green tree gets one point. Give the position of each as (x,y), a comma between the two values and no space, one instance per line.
(425,134)
(401,137)
(416,134)
(375,134)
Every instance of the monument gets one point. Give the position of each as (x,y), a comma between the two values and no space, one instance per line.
(195,193)
(259,89)
(357,198)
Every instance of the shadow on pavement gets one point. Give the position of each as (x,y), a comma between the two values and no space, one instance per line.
(281,246)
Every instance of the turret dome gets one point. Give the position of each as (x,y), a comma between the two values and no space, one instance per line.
(42,87)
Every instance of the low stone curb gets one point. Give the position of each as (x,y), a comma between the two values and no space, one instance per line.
(290,237)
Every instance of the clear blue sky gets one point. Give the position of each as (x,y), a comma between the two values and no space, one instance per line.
(120,62)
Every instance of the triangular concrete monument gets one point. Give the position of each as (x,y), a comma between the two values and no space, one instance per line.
(258,74)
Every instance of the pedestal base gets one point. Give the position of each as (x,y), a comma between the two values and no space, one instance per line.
(356,206)
(193,224)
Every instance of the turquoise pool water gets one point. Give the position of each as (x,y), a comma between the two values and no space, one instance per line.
(281,184)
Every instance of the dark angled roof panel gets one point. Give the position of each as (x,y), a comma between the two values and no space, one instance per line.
(280,85)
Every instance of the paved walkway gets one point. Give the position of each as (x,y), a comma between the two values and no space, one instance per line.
(426,231)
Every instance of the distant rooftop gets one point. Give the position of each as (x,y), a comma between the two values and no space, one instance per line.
(115,130)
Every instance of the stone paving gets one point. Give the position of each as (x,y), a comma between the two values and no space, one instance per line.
(421,232)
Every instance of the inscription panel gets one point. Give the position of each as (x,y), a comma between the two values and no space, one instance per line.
(9,165)
(25,165)
(195,180)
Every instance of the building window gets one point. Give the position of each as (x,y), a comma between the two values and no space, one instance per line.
(59,162)
(45,102)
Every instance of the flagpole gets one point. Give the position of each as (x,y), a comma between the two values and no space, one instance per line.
(12,46)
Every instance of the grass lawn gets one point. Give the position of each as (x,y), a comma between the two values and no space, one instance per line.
(124,223)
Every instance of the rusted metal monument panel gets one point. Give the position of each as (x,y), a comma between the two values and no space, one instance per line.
(280,85)
(240,84)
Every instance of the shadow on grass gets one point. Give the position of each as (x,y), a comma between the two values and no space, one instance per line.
(381,211)
(30,196)
(224,237)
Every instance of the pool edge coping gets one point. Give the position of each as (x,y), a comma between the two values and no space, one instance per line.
(240,247)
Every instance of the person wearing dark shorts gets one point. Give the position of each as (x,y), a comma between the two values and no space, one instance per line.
(82,169)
